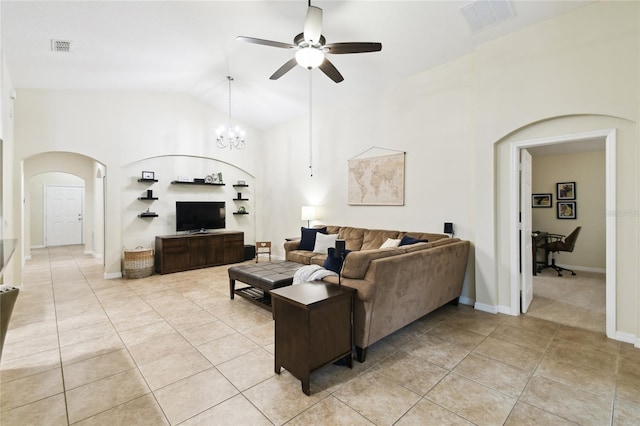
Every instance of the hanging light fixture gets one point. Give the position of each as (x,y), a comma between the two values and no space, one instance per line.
(230,137)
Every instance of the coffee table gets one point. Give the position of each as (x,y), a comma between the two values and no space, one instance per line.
(261,278)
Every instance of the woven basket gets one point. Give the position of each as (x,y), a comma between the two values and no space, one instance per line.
(138,263)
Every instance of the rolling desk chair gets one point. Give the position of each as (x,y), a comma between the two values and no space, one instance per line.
(556,244)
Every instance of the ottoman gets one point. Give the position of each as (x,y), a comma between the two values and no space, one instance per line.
(261,278)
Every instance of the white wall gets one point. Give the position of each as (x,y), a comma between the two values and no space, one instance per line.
(573,73)
(587,170)
(118,129)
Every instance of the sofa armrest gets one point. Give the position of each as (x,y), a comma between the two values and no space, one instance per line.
(291,246)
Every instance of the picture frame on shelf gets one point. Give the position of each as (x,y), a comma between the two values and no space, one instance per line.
(541,200)
(148,175)
(566,191)
(567,210)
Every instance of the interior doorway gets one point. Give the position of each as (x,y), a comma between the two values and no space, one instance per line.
(518,276)
(63,216)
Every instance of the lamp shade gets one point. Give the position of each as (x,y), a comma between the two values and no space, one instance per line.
(309,57)
(308,213)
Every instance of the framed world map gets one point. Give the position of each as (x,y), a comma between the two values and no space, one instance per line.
(376,181)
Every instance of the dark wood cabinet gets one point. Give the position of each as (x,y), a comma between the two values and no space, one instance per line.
(314,327)
(175,253)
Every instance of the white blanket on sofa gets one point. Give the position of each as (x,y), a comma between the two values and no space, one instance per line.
(311,273)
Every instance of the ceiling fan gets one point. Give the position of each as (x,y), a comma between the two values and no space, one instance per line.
(311,47)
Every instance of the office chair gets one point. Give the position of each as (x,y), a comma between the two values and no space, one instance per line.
(558,245)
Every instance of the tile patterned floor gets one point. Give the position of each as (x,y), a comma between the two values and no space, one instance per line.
(174,349)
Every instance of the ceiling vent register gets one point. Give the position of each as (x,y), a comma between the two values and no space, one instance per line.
(481,14)
(60,45)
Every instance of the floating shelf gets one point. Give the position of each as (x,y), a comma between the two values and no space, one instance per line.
(242,185)
(240,212)
(240,199)
(147,198)
(177,182)
(148,215)
(147,180)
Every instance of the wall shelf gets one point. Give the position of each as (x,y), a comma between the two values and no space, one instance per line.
(240,212)
(147,180)
(240,199)
(242,185)
(143,215)
(177,182)
(147,198)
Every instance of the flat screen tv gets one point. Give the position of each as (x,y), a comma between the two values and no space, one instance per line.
(198,216)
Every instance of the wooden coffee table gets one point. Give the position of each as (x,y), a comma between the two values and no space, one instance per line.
(314,327)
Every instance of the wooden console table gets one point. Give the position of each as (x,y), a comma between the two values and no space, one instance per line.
(314,327)
(175,253)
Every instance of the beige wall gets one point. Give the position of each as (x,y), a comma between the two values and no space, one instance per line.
(574,73)
(587,169)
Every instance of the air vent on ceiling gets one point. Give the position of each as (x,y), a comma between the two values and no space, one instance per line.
(60,45)
(481,14)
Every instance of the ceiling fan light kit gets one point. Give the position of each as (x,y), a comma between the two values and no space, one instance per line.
(309,57)
(311,47)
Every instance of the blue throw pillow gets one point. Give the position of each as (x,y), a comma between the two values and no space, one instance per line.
(333,262)
(308,238)
(406,240)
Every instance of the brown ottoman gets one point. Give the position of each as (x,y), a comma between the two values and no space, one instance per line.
(262,278)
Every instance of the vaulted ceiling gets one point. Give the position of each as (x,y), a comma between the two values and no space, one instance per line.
(190,47)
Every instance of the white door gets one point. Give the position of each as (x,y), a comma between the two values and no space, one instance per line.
(63,215)
(526,245)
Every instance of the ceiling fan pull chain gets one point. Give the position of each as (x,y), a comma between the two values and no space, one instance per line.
(310,126)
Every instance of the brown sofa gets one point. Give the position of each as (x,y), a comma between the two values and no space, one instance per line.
(397,285)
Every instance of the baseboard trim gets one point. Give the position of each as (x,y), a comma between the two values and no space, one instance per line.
(467,301)
(627,338)
(112,275)
(38,247)
(584,268)
(492,309)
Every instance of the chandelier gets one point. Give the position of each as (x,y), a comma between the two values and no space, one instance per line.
(230,137)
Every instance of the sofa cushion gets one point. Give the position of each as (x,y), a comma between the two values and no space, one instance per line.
(308,239)
(333,262)
(323,242)
(352,236)
(357,263)
(391,243)
(301,256)
(407,240)
(423,235)
(373,238)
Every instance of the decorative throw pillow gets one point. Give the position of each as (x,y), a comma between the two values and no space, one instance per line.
(406,240)
(390,243)
(323,242)
(308,238)
(333,262)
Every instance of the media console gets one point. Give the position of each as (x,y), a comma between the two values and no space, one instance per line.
(175,253)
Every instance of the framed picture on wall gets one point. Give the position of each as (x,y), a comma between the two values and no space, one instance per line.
(541,200)
(566,191)
(567,210)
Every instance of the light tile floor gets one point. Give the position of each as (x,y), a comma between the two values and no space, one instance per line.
(173,349)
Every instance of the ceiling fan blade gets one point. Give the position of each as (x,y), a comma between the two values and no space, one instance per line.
(284,69)
(331,71)
(313,25)
(266,42)
(339,48)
